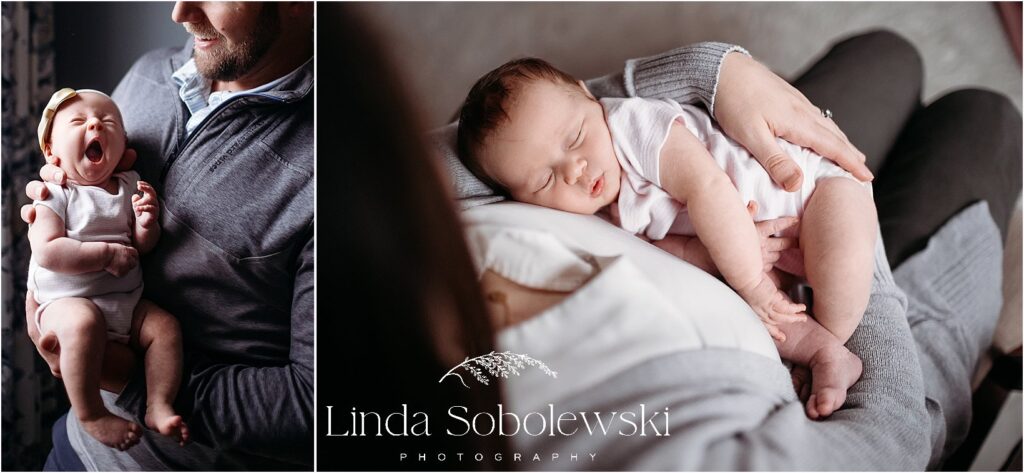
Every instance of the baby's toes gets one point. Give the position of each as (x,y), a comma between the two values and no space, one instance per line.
(131,437)
(828,400)
(812,407)
(170,425)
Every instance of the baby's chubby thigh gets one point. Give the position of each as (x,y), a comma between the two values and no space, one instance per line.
(75,321)
(838,231)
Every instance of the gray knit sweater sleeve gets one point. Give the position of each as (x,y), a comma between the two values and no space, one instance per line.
(686,75)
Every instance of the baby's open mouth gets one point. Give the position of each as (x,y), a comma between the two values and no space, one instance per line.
(94,151)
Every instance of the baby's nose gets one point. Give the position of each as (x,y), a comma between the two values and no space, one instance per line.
(581,176)
(94,124)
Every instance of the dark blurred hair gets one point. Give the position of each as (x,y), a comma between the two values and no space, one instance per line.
(484,108)
(399,301)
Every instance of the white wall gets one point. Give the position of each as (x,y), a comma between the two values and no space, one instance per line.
(445,47)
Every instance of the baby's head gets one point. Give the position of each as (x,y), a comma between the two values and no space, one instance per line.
(85,130)
(537,135)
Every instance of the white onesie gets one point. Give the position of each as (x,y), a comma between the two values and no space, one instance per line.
(639,128)
(91,214)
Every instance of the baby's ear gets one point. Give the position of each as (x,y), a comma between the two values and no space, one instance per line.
(48,153)
(127,160)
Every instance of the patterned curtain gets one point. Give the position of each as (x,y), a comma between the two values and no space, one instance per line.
(32,398)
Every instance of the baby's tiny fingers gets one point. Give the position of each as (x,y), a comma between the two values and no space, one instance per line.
(145,208)
(786,307)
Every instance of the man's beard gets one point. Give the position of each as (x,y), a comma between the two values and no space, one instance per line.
(228,63)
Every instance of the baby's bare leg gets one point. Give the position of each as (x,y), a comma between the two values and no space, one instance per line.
(837,236)
(156,333)
(833,368)
(81,334)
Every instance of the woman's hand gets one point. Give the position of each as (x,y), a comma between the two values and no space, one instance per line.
(46,345)
(754,106)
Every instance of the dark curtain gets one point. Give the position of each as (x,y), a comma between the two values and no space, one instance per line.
(32,398)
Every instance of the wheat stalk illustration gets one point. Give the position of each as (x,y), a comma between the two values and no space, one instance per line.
(500,364)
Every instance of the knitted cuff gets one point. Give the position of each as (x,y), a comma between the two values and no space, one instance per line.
(685,74)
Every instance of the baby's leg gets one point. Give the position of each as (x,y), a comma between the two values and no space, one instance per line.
(837,236)
(833,368)
(81,334)
(156,333)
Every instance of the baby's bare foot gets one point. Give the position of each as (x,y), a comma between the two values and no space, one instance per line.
(833,371)
(113,431)
(161,417)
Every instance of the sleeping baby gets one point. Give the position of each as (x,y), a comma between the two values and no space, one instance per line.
(656,167)
(84,272)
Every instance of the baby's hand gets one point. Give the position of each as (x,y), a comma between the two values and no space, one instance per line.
(773,307)
(123,258)
(146,205)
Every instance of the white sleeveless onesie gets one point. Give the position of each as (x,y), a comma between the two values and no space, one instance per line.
(91,214)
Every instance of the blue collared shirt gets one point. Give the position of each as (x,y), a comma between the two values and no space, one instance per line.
(196,91)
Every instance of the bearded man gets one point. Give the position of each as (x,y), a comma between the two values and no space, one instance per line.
(223,128)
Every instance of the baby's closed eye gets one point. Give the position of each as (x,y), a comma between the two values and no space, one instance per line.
(547,183)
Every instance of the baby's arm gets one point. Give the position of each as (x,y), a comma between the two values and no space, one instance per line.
(147,212)
(53,250)
(723,224)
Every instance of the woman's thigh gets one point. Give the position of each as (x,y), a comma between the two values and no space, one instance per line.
(963,147)
(872,84)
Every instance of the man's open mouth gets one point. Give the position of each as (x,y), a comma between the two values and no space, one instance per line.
(94,151)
